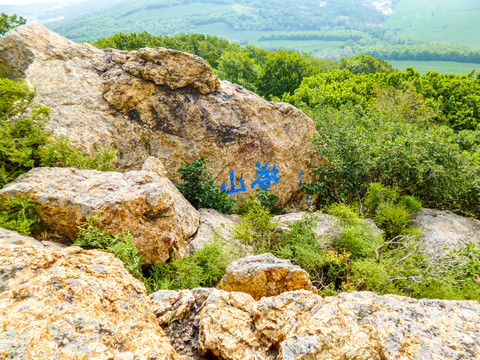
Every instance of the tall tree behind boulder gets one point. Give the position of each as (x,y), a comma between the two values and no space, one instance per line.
(166,104)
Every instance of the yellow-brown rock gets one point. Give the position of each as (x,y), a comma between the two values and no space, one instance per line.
(264,275)
(302,325)
(74,304)
(142,203)
(166,104)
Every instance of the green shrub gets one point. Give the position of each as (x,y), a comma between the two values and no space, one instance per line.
(199,188)
(359,147)
(358,240)
(20,214)
(345,213)
(393,219)
(24,144)
(268,202)
(256,228)
(411,203)
(370,274)
(203,268)
(59,153)
(378,194)
(91,236)
(300,245)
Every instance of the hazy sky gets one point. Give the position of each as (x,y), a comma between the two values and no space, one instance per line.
(26,2)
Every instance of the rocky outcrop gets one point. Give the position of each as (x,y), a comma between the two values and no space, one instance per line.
(443,229)
(166,104)
(264,275)
(302,325)
(74,304)
(142,203)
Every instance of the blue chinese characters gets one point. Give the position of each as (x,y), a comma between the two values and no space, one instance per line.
(265,176)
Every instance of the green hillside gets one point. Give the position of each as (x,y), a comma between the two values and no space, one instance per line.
(251,19)
(440,20)
(440,33)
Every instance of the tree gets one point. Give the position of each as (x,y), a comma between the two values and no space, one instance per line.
(10,22)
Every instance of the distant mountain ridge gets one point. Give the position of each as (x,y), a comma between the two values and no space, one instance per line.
(327,29)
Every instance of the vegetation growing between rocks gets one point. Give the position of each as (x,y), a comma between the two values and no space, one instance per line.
(20,215)
(91,236)
(362,259)
(200,190)
(24,144)
(203,268)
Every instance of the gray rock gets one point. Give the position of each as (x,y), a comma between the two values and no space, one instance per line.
(303,325)
(443,229)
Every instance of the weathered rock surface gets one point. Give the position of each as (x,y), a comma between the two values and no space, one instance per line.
(74,304)
(302,325)
(15,238)
(443,229)
(166,104)
(326,227)
(148,206)
(264,275)
(215,226)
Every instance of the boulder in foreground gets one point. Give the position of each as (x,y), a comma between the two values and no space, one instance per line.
(74,304)
(148,206)
(302,325)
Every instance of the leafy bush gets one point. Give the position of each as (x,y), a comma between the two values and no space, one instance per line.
(91,236)
(411,203)
(256,228)
(358,240)
(199,188)
(203,268)
(267,201)
(9,22)
(378,194)
(345,213)
(24,144)
(420,160)
(19,214)
(59,153)
(392,218)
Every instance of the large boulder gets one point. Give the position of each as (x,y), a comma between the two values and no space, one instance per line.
(302,325)
(148,206)
(166,104)
(443,229)
(264,275)
(74,304)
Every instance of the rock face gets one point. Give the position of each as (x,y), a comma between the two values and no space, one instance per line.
(148,206)
(264,275)
(166,104)
(442,229)
(302,325)
(74,304)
